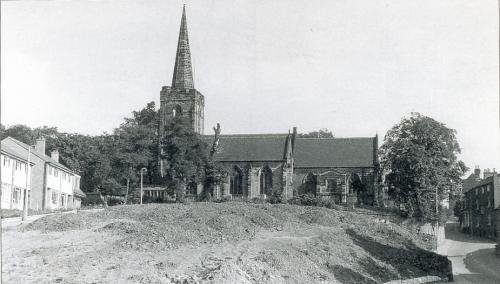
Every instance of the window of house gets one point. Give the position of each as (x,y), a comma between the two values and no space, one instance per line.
(56,173)
(63,200)
(54,197)
(16,195)
(6,161)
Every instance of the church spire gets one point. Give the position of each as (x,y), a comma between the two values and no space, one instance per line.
(183,72)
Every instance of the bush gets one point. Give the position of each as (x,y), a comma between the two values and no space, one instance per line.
(311,200)
(275,198)
(223,199)
(112,201)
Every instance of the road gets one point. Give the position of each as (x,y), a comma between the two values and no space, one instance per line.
(473,259)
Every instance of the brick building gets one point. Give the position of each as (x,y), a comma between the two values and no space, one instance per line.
(482,202)
(262,165)
(53,185)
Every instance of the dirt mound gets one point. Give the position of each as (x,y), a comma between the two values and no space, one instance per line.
(244,242)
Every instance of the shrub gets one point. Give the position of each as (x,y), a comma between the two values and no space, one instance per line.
(112,201)
(275,198)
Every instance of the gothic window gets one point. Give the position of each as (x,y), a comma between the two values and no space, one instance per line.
(331,185)
(236,182)
(356,183)
(266,181)
(191,188)
(310,183)
(177,110)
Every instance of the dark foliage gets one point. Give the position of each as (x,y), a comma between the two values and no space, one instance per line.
(419,155)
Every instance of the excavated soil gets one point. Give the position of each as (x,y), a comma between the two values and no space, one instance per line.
(232,242)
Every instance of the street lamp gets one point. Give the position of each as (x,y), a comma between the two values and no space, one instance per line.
(142,172)
(28,177)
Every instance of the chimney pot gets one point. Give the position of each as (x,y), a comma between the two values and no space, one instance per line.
(55,155)
(40,145)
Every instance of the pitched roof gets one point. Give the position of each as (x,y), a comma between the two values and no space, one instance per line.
(15,152)
(183,73)
(334,152)
(22,149)
(79,192)
(308,152)
(249,147)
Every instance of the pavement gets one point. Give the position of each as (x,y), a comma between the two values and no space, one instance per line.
(473,259)
(13,222)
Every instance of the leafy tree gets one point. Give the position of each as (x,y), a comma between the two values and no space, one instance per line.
(420,156)
(459,209)
(186,156)
(322,133)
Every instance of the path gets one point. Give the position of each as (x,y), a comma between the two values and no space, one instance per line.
(473,259)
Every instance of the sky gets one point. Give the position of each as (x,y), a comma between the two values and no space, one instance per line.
(354,67)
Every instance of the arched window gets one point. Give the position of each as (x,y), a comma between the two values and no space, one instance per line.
(266,181)
(356,184)
(177,110)
(310,183)
(191,188)
(236,182)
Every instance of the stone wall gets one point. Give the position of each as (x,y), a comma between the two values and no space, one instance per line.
(331,182)
(191,103)
(251,177)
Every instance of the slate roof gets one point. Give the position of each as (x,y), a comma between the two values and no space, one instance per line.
(251,147)
(15,152)
(309,152)
(22,149)
(79,192)
(334,152)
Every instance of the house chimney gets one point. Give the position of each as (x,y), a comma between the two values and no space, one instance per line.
(55,155)
(40,145)
(477,172)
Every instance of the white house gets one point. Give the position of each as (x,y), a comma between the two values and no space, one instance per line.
(54,186)
(15,176)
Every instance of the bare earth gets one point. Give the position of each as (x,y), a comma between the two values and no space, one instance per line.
(474,259)
(223,243)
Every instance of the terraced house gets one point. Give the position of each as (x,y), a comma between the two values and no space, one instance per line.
(263,165)
(53,185)
(16,177)
(482,204)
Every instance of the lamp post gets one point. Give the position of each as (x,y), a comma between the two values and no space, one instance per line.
(142,172)
(28,177)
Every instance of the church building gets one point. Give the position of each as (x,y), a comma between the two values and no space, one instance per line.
(265,165)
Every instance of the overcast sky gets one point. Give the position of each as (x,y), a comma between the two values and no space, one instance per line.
(354,67)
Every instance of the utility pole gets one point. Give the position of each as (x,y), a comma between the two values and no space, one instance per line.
(128,186)
(142,171)
(28,177)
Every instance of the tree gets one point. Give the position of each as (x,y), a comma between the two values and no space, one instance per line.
(322,133)
(420,156)
(186,156)
(459,209)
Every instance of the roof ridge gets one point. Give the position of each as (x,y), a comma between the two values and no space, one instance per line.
(39,154)
(336,138)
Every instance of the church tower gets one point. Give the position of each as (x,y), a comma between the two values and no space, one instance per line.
(181,98)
